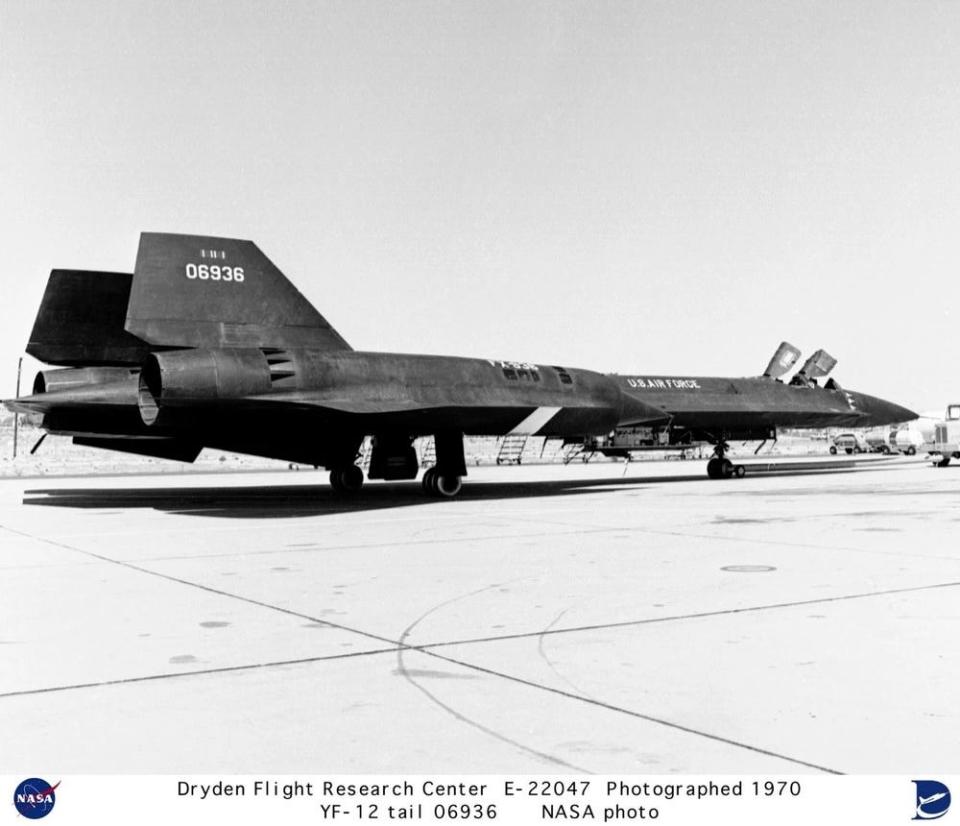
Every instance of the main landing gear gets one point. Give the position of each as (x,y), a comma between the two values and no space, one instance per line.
(443,485)
(720,467)
(445,479)
(393,458)
(347,479)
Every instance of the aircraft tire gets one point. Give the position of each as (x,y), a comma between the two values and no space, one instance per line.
(345,480)
(726,468)
(447,486)
(429,480)
(713,468)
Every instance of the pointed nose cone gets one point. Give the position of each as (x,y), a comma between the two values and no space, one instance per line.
(881,412)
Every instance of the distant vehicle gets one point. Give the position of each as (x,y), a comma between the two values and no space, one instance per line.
(849,443)
(894,440)
(946,438)
(907,440)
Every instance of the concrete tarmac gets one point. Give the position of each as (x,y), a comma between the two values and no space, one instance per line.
(583,618)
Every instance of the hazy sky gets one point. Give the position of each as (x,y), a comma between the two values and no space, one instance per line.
(652,187)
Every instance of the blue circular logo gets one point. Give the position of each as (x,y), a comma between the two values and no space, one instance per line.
(34,798)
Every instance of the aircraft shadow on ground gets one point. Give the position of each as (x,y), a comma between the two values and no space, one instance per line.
(290,501)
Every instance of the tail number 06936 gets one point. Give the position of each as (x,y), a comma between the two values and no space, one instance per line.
(214,272)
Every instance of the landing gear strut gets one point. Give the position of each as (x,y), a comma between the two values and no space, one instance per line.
(445,479)
(347,479)
(720,467)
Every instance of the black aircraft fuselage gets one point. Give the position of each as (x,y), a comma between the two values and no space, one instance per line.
(208,345)
(726,405)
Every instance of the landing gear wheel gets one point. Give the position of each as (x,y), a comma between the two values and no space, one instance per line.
(444,485)
(346,479)
(726,468)
(447,486)
(430,480)
(714,468)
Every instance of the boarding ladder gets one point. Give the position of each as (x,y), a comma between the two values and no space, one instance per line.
(511,449)
(363,455)
(428,452)
(577,450)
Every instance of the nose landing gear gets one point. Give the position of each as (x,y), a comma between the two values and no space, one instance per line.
(720,467)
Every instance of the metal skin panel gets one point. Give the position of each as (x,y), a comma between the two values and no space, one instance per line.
(730,404)
(80,321)
(172,304)
(239,359)
(91,409)
(48,381)
(160,448)
(330,400)
(186,376)
(385,382)
(375,392)
(94,396)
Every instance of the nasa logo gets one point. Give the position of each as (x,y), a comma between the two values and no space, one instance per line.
(34,798)
(933,799)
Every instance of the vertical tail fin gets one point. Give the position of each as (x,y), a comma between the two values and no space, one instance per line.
(80,321)
(197,291)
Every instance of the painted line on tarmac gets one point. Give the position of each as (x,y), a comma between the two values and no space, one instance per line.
(681,617)
(394,645)
(227,669)
(428,648)
(636,714)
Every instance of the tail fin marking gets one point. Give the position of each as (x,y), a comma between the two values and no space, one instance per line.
(198,291)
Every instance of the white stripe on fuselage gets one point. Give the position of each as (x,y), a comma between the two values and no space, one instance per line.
(535,421)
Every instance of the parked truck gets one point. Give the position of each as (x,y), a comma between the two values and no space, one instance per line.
(946,438)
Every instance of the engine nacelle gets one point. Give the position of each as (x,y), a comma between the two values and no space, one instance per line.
(182,377)
(49,381)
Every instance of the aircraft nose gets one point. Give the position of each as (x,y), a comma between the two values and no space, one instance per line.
(882,412)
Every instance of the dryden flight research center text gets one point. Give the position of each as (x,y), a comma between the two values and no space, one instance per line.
(607,800)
